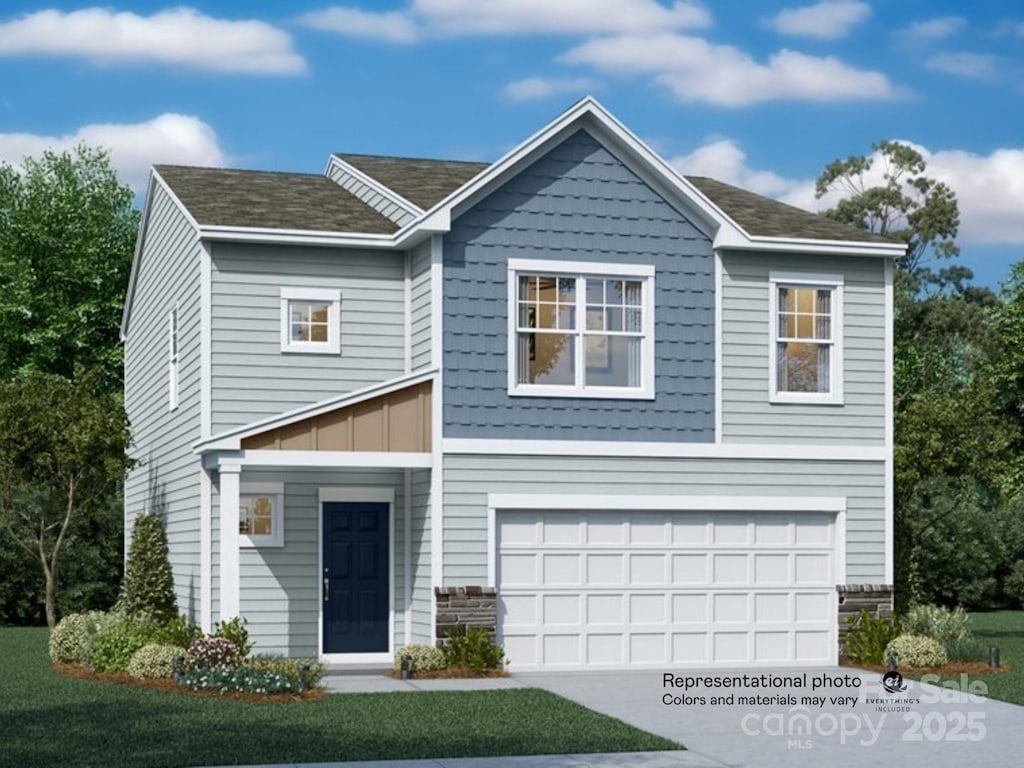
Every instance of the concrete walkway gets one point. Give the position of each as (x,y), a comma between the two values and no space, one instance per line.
(619,760)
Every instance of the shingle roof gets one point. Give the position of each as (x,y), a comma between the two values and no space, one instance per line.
(419,180)
(271,200)
(764,217)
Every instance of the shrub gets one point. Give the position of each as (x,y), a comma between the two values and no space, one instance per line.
(113,648)
(148,587)
(918,651)
(942,624)
(869,635)
(307,672)
(968,649)
(71,640)
(1013,586)
(181,632)
(472,647)
(235,631)
(262,674)
(425,658)
(212,653)
(154,660)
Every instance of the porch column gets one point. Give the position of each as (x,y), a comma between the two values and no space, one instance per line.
(230,474)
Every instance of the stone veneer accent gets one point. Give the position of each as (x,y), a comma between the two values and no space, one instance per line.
(876,598)
(470,606)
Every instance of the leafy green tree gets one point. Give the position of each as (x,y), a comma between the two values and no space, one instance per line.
(62,457)
(148,588)
(67,233)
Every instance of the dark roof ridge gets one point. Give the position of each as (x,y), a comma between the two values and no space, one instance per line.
(409,158)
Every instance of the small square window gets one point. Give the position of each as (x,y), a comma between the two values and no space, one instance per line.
(310,320)
(261,515)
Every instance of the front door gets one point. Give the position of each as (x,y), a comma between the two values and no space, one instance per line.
(354,591)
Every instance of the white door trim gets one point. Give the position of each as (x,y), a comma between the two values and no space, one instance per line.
(352,493)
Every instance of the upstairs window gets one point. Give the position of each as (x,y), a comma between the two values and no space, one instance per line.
(173,354)
(310,320)
(806,364)
(581,330)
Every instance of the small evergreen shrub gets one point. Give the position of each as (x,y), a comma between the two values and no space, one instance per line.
(153,661)
(918,651)
(148,587)
(969,649)
(235,631)
(181,632)
(425,658)
(212,653)
(1013,586)
(71,640)
(941,624)
(868,636)
(472,647)
(113,648)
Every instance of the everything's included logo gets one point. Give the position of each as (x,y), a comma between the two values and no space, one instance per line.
(892,680)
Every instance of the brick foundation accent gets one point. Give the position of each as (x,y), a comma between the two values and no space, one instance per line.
(876,598)
(470,606)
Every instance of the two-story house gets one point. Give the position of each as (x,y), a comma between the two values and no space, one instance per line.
(653,414)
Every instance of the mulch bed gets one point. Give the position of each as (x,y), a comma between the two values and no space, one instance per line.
(955,668)
(451,673)
(169,686)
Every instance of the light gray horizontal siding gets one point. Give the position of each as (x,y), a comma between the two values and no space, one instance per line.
(280,586)
(251,377)
(747,415)
(422,584)
(420,326)
(380,203)
(167,479)
(468,480)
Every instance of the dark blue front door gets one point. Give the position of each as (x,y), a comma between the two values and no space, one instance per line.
(355,577)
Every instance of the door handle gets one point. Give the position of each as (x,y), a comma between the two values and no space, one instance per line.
(327,589)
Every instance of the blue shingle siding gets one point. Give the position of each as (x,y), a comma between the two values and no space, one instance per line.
(578,202)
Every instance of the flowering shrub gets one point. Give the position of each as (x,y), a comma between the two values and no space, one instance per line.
(155,660)
(71,640)
(306,671)
(262,675)
(212,653)
(918,651)
(235,631)
(942,624)
(425,658)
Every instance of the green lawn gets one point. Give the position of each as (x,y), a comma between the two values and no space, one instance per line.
(1005,629)
(48,720)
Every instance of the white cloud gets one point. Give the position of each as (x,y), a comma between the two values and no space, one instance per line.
(451,18)
(534,88)
(826,20)
(696,70)
(934,29)
(971,66)
(180,36)
(723,159)
(134,147)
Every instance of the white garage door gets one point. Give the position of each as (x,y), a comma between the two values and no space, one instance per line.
(623,589)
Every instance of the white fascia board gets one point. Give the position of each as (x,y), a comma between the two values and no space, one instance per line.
(139,240)
(753,503)
(390,194)
(763,451)
(333,459)
(295,237)
(732,241)
(231,439)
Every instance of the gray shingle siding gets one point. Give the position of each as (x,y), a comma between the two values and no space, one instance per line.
(581,203)
(167,480)
(251,377)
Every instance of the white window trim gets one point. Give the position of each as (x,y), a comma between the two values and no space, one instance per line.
(173,357)
(810,279)
(276,538)
(644,272)
(333,298)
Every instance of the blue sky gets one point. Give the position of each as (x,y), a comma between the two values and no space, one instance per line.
(762,95)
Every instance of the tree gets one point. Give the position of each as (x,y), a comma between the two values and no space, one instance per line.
(62,456)
(148,588)
(67,233)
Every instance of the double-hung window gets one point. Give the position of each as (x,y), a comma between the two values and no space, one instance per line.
(806,354)
(581,329)
(310,320)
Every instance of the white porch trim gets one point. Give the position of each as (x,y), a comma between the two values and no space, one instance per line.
(320,459)
(230,572)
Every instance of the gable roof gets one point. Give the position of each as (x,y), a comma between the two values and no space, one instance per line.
(422,181)
(764,217)
(303,201)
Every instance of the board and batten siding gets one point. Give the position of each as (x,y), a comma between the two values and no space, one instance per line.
(577,203)
(468,480)
(279,587)
(372,197)
(166,480)
(747,414)
(420,305)
(251,377)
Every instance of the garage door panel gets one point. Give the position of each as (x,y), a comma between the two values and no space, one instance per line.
(623,589)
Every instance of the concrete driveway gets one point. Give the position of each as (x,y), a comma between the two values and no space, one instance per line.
(926,725)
